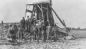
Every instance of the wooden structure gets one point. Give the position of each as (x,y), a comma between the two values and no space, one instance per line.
(41,10)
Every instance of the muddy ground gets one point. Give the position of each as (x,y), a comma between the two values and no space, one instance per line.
(68,44)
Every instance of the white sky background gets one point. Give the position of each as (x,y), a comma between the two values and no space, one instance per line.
(72,11)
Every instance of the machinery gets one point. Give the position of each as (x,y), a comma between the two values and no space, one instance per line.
(41,11)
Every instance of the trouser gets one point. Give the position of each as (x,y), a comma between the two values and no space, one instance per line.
(13,38)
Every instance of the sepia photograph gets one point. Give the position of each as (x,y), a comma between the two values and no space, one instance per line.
(42,24)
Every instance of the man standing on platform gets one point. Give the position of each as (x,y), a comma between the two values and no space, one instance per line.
(28,23)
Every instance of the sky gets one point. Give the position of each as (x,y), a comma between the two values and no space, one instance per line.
(73,12)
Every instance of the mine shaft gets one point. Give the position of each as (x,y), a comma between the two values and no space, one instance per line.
(38,24)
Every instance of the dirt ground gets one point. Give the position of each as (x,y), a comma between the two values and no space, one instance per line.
(69,44)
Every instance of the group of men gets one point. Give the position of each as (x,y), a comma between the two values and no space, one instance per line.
(17,31)
(28,26)
(32,27)
(13,29)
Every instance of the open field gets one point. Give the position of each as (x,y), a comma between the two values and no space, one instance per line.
(79,33)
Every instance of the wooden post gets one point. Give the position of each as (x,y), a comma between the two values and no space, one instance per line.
(59,18)
(51,2)
(2,30)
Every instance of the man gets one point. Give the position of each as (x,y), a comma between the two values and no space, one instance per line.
(22,23)
(20,33)
(15,30)
(28,24)
(10,31)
